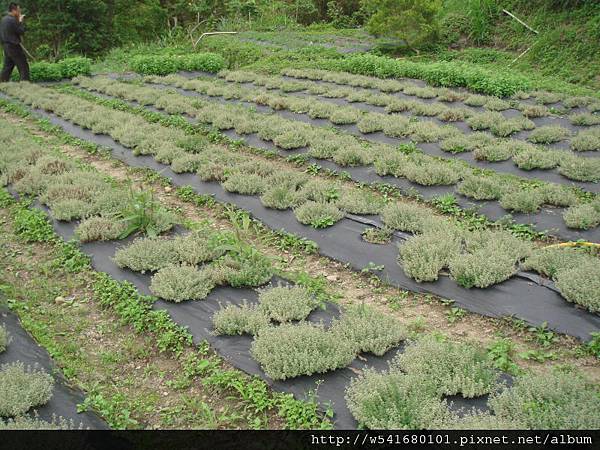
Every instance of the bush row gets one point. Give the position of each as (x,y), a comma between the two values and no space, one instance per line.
(66,68)
(165,64)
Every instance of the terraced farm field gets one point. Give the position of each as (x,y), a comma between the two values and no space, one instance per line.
(304,249)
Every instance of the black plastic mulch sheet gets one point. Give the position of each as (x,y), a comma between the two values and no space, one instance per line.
(65,399)
(329,387)
(526,297)
(547,219)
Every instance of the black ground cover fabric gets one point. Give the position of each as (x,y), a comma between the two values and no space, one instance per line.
(65,399)
(519,296)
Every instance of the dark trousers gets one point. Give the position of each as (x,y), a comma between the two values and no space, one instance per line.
(14,56)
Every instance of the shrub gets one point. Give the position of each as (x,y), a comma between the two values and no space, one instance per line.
(370,331)
(489,258)
(245,268)
(4,338)
(584,216)
(480,269)
(236,320)
(33,423)
(430,132)
(407,217)
(73,67)
(548,134)
(510,126)
(182,282)
(476,100)
(429,171)
(481,187)
(23,388)
(585,119)
(550,260)
(536,158)
(581,285)
(287,303)
(187,162)
(580,169)
(318,214)
(454,114)
(394,401)
(165,64)
(245,183)
(522,200)
(100,228)
(281,197)
(496,104)
(288,351)
(586,141)
(360,201)
(483,121)
(546,98)
(396,125)
(354,155)
(370,123)
(292,138)
(450,368)
(147,254)
(555,400)
(422,257)
(574,102)
(494,152)
(532,111)
(343,116)
(70,209)
(45,71)
(466,143)
(558,195)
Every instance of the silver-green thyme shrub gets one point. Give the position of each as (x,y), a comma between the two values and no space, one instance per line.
(422,257)
(177,283)
(549,261)
(581,285)
(35,423)
(23,388)
(396,401)
(236,320)
(449,368)
(289,350)
(147,254)
(318,214)
(4,338)
(407,217)
(100,228)
(555,400)
(371,331)
(287,303)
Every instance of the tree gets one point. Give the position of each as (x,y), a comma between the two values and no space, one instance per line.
(413,21)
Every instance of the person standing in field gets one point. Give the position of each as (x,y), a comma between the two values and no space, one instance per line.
(11,30)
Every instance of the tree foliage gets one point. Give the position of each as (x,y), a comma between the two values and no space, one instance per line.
(414,21)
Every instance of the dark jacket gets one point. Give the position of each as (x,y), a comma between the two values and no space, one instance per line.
(11,30)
